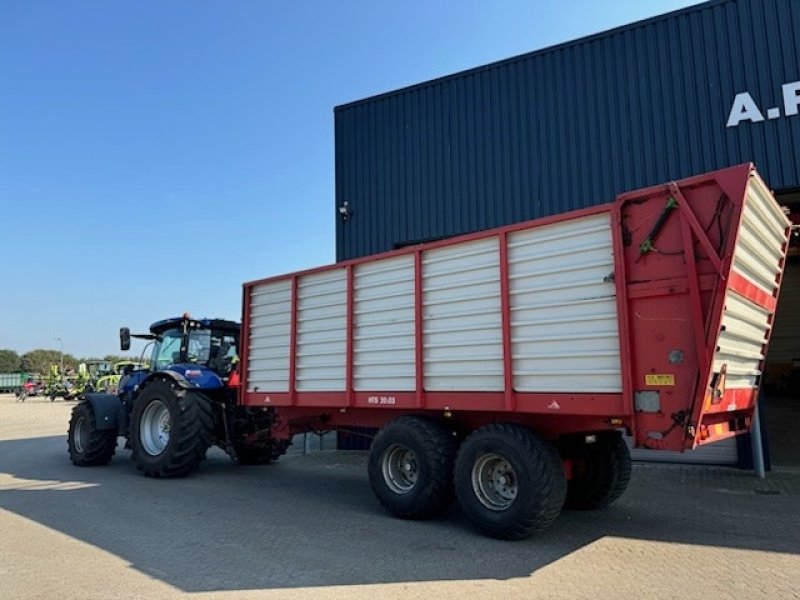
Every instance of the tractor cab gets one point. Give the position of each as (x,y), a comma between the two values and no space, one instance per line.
(204,351)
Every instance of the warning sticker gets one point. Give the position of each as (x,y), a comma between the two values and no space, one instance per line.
(665,379)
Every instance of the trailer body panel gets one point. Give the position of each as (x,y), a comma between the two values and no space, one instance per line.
(650,313)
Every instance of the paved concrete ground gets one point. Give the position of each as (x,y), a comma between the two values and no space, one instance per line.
(309,527)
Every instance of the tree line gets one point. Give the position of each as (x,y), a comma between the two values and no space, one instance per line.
(39,361)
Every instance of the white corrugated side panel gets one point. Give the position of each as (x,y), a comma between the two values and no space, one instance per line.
(744,329)
(270,324)
(383,342)
(462,326)
(761,236)
(724,452)
(321,331)
(757,258)
(564,328)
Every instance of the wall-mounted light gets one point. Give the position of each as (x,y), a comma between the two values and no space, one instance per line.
(345,211)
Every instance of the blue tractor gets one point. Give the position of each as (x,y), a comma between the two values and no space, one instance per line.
(172,412)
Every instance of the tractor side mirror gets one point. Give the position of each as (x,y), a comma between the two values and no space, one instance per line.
(124,339)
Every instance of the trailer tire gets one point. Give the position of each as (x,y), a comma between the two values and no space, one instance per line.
(171,429)
(411,467)
(88,445)
(509,482)
(600,472)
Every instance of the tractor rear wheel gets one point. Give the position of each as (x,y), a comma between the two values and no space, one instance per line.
(601,472)
(411,467)
(88,445)
(510,483)
(171,429)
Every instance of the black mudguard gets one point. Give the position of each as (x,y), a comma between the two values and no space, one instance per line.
(107,409)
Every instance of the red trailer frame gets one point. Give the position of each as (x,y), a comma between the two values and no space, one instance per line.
(673,256)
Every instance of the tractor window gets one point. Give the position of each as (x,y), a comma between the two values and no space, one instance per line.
(167,350)
(199,346)
(223,356)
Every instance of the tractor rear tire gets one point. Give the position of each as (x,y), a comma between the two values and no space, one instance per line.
(510,483)
(88,445)
(171,429)
(411,467)
(601,472)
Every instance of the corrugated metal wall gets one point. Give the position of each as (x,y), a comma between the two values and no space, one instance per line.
(570,126)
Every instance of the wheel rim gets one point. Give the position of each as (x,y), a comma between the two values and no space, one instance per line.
(79,433)
(494,482)
(400,469)
(154,430)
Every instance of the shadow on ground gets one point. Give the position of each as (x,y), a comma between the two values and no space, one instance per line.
(312,520)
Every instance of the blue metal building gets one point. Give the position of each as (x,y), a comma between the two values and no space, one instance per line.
(576,124)
(573,125)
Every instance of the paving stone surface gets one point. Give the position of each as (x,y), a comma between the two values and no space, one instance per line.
(309,527)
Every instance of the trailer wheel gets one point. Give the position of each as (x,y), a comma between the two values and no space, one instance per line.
(601,472)
(411,467)
(89,446)
(171,429)
(509,482)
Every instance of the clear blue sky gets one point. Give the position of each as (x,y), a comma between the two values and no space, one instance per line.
(156,154)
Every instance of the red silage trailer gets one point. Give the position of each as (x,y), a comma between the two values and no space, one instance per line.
(503,366)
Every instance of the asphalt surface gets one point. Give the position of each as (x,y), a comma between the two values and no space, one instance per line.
(309,527)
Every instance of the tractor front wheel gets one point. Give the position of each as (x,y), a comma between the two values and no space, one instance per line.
(88,445)
(171,429)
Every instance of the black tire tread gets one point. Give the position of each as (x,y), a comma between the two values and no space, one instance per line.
(190,434)
(101,444)
(438,449)
(612,473)
(547,469)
